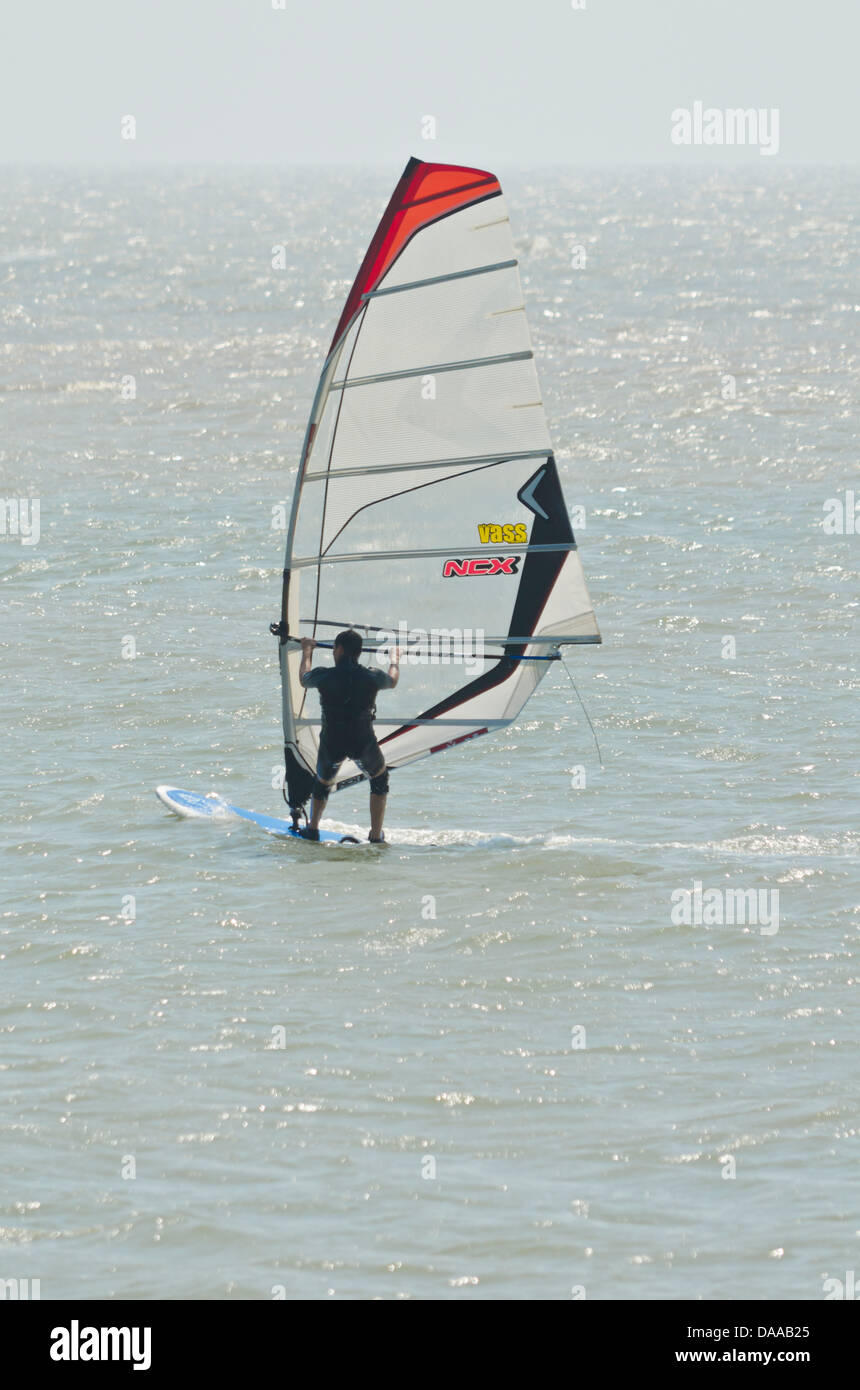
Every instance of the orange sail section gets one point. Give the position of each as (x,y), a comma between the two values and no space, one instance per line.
(424,193)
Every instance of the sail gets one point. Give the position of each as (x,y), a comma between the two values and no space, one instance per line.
(427,505)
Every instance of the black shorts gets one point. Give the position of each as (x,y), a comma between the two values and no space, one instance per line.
(371,760)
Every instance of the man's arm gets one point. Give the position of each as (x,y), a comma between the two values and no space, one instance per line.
(308,645)
(394,667)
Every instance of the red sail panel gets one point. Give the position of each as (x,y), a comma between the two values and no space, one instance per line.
(424,193)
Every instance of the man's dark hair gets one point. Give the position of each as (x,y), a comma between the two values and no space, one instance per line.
(350,642)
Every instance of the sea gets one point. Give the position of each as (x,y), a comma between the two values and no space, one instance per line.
(587,1026)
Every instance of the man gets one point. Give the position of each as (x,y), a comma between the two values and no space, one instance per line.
(348,700)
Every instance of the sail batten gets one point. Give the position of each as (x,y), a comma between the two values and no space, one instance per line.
(430,455)
(430,369)
(441,279)
(424,463)
(393,555)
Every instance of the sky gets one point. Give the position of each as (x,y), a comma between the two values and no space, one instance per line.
(345,82)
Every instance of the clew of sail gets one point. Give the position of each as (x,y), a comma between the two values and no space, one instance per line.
(427,508)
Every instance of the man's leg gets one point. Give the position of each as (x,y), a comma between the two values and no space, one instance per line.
(377,814)
(311,831)
(326,772)
(372,763)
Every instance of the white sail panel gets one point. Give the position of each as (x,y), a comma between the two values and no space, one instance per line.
(475,236)
(478,410)
(444,321)
(567,611)
(426,508)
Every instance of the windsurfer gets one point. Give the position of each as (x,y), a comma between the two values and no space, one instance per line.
(347,694)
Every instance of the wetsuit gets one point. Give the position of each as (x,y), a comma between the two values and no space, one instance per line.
(347,694)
